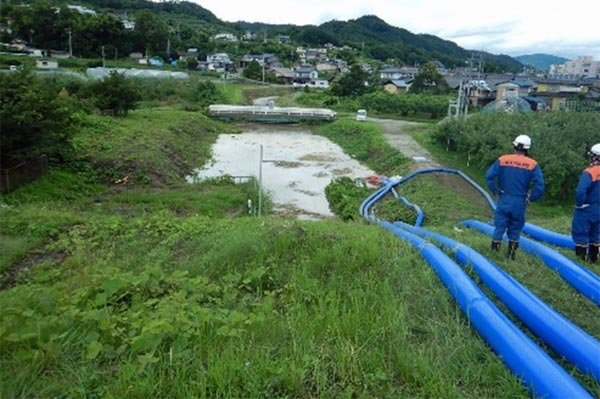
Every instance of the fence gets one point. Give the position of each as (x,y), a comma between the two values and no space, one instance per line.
(23,173)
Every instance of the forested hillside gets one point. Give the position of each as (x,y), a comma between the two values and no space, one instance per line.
(171,26)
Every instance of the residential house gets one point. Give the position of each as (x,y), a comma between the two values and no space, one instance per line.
(342,65)
(35,52)
(58,54)
(396,86)
(441,68)
(284,39)
(128,25)
(46,64)
(328,66)
(225,37)
(507,90)
(286,73)
(312,54)
(249,36)
(266,60)
(18,46)
(479,93)
(218,57)
(398,73)
(318,84)
(305,74)
(556,92)
(184,55)
(367,68)
(526,85)
(391,73)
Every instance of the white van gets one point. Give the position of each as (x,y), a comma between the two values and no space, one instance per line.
(361,115)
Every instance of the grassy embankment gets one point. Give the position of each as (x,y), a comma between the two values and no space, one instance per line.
(446,201)
(155,288)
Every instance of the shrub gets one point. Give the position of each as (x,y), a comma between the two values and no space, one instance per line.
(116,93)
(36,119)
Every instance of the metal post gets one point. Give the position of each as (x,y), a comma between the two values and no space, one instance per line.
(70,44)
(103,60)
(260,181)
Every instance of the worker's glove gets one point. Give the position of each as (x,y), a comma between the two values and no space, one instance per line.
(582,206)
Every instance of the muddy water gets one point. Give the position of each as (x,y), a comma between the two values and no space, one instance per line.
(297,166)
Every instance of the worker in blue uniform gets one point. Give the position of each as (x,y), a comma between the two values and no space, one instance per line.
(510,177)
(585,228)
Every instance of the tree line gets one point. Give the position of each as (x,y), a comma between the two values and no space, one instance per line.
(163,28)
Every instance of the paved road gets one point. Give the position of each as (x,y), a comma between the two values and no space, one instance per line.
(393,130)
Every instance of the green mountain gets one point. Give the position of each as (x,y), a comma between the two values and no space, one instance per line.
(381,41)
(540,61)
(188,24)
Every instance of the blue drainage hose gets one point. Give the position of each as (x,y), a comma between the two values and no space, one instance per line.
(562,335)
(551,237)
(582,279)
(521,355)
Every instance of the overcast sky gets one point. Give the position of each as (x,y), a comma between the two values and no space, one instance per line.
(513,27)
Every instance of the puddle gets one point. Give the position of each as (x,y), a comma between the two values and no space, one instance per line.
(297,166)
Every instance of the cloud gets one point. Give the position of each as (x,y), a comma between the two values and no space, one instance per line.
(486,31)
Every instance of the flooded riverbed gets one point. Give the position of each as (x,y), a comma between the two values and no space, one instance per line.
(297,166)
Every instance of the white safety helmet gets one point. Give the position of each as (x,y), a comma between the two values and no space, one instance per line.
(594,152)
(522,142)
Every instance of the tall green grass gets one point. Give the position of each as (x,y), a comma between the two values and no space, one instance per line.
(153,145)
(244,308)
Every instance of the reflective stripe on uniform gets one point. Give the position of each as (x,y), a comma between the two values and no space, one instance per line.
(517,161)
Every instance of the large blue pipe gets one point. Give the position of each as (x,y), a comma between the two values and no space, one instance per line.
(522,356)
(551,237)
(562,335)
(582,279)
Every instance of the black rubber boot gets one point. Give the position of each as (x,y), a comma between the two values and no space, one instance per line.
(496,245)
(512,249)
(581,251)
(593,256)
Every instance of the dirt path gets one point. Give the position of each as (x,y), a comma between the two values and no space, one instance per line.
(393,130)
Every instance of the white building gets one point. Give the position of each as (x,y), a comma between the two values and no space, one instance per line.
(46,64)
(225,37)
(583,66)
(82,10)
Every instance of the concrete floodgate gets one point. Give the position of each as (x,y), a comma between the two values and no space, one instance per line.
(297,166)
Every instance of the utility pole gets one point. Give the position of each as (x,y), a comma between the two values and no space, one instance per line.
(263,72)
(70,44)
(260,181)
(103,59)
